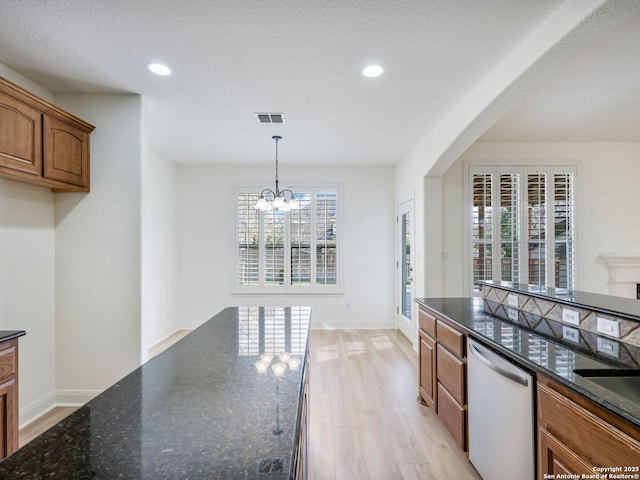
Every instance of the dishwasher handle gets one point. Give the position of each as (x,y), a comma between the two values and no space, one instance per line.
(514,377)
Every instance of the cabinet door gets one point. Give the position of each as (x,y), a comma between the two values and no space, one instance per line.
(556,458)
(8,418)
(427,352)
(20,136)
(66,152)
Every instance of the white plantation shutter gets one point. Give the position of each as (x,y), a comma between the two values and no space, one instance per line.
(537,228)
(482,227)
(326,231)
(301,241)
(509,227)
(564,228)
(273,240)
(248,240)
(530,237)
(288,251)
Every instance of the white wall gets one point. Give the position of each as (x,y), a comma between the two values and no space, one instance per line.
(27,285)
(27,279)
(206,226)
(98,253)
(608,220)
(159,249)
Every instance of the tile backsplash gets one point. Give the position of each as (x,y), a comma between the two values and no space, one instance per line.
(531,310)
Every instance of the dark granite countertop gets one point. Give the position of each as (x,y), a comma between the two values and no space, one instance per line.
(540,352)
(11,334)
(199,410)
(609,304)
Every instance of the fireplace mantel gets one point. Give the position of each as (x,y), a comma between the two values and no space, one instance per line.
(624,273)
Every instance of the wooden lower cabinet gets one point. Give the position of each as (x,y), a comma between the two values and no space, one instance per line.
(576,435)
(556,458)
(8,397)
(443,373)
(427,353)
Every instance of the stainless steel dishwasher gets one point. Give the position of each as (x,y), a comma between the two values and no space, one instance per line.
(501,421)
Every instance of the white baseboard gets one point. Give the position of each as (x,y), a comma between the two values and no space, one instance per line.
(337,326)
(36,409)
(57,398)
(75,398)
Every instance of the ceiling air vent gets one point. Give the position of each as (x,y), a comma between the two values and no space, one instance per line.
(270,117)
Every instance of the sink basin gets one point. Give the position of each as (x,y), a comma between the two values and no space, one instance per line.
(624,382)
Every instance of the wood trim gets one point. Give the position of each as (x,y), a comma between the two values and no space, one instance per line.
(29,98)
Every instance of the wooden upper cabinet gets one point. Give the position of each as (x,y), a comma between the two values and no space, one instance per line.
(66,149)
(20,136)
(40,143)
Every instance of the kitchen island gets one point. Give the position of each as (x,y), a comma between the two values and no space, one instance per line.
(220,403)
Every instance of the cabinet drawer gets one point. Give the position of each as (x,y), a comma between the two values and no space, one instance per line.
(450,338)
(597,441)
(451,374)
(8,362)
(427,322)
(453,416)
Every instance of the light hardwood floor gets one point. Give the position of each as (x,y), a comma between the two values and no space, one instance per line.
(365,421)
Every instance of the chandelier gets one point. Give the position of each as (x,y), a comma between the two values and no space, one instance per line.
(282,200)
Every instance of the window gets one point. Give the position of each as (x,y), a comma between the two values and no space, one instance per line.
(523,225)
(288,251)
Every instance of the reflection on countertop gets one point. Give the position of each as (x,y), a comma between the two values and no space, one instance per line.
(201,409)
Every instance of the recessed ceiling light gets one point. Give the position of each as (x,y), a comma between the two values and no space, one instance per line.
(373,71)
(159,69)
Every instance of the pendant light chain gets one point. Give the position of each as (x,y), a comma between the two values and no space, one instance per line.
(277,139)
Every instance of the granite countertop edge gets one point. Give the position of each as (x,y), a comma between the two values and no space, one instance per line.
(11,334)
(631,415)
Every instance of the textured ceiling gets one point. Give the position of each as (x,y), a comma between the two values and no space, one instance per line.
(232,58)
(594,98)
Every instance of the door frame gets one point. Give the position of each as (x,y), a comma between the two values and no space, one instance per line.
(408,326)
